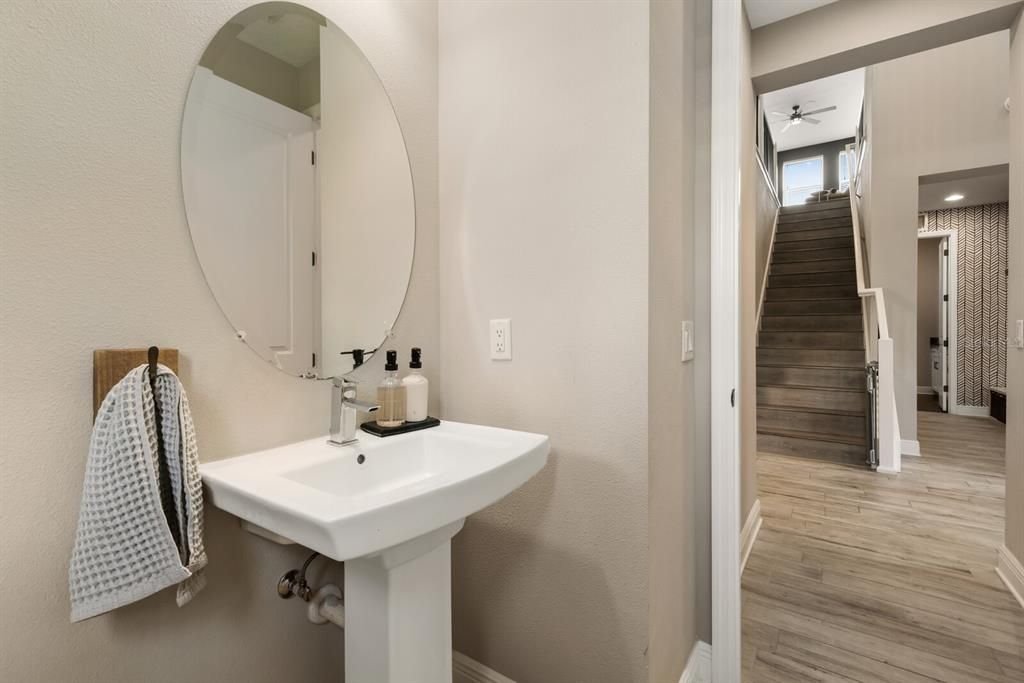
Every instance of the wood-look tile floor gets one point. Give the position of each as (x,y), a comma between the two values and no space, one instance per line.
(858,576)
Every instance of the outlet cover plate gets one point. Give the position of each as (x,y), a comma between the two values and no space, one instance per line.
(501,339)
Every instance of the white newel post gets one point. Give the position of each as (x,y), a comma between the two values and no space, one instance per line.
(888,441)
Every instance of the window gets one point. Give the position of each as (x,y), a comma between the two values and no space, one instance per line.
(800,178)
(847,161)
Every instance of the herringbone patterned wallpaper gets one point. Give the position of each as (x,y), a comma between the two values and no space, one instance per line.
(981,296)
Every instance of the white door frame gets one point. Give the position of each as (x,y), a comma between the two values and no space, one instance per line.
(951,369)
(727,21)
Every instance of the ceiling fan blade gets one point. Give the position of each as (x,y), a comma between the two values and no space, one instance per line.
(779,113)
(788,126)
(808,119)
(820,111)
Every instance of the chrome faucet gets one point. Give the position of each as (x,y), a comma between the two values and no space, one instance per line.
(345,412)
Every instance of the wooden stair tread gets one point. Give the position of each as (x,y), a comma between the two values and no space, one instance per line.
(811,367)
(809,243)
(838,412)
(821,263)
(812,387)
(821,299)
(788,315)
(814,436)
(819,272)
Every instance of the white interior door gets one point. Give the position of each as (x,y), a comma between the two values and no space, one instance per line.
(944,323)
(249,187)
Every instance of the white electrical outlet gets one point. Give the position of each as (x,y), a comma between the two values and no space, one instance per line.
(1018,338)
(687,340)
(501,339)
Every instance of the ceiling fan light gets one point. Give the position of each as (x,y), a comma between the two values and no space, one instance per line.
(955,197)
(797,121)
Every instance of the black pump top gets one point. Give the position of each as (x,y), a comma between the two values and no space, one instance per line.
(392,364)
(415,363)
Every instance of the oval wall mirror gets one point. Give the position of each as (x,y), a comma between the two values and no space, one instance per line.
(298,190)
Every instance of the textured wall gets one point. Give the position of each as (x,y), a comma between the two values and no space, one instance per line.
(702,308)
(750,176)
(849,34)
(544,195)
(766,206)
(932,112)
(96,253)
(981,265)
(760,209)
(676,513)
(1015,304)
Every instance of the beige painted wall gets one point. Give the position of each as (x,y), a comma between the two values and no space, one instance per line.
(927,306)
(253,69)
(544,213)
(850,34)
(931,112)
(766,206)
(676,512)
(1015,304)
(749,286)
(702,312)
(96,253)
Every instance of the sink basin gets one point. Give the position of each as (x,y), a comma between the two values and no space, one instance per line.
(354,501)
(388,508)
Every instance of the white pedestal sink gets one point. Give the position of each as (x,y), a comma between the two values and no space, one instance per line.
(388,509)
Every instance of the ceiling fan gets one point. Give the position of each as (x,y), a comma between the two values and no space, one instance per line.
(797,116)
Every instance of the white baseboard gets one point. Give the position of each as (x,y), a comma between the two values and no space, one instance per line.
(749,533)
(910,447)
(1011,572)
(698,666)
(468,670)
(886,470)
(925,391)
(971,411)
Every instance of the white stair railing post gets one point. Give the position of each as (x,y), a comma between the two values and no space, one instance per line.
(888,434)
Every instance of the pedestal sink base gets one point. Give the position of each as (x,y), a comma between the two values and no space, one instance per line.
(398,612)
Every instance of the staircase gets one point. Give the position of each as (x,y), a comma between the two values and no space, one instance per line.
(810,352)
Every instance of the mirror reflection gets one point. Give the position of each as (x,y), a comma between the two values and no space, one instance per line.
(297,190)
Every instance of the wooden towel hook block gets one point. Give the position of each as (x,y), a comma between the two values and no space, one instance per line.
(109,366)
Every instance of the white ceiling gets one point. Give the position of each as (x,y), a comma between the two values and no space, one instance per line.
(845,91)
(978,186)
(761,12)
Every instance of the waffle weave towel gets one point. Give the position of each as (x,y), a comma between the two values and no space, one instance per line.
(124,550)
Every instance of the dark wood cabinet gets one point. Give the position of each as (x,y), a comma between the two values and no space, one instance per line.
(997,404)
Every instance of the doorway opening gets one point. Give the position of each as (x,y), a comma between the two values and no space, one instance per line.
(936,319)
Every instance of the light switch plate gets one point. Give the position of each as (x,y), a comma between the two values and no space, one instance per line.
(501,339)
(687,340)
(1018,337)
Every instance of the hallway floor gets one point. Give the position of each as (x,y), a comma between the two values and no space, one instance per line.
(867,577)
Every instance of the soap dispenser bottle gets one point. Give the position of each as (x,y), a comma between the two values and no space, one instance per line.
(416,390)
(391,395)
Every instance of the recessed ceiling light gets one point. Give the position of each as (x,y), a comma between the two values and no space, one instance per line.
(955,197)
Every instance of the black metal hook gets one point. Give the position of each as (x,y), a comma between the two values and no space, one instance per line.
(166,496)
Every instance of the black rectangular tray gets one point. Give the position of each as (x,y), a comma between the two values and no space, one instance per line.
(375,429)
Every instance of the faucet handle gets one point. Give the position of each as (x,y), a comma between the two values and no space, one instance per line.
(349,397)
